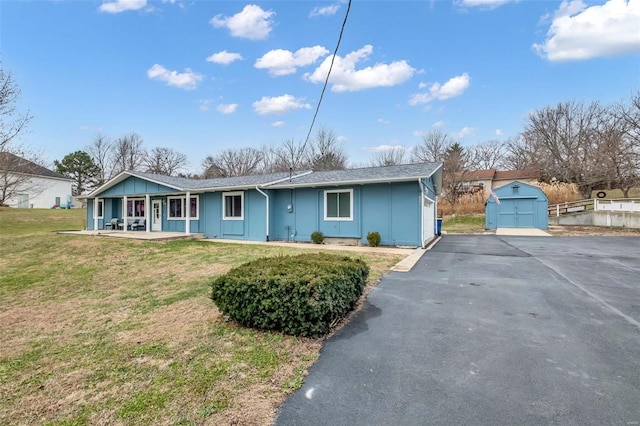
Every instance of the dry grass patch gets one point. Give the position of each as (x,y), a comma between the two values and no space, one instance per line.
(109,331)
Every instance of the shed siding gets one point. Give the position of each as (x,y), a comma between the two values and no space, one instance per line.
(526,208)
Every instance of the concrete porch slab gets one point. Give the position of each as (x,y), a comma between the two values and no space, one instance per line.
(523,232)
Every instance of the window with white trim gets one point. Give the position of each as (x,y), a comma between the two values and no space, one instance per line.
(100,212)
(178,210)
(233,206)
(338,205)
(135,207)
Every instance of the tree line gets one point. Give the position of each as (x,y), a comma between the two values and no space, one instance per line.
(588,144)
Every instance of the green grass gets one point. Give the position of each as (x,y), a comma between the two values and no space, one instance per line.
(105,330)
(464,224)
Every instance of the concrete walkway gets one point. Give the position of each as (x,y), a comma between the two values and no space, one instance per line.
(522,232)
(488,330)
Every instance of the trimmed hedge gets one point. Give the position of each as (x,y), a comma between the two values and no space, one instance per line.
(301,295)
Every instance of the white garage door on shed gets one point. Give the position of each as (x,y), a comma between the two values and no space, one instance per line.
(517,205)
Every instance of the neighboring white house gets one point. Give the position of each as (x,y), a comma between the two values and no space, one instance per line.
(29,185)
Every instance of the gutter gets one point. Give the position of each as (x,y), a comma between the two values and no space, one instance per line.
(266,196)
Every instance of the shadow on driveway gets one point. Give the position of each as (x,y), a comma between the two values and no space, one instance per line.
(489,330)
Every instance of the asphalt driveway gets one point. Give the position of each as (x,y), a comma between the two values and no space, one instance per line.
(489,330)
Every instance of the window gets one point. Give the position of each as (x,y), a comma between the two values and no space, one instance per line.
(178,210)
(100,214)
(515,189)
(135,207)
(338,205)
(233,206)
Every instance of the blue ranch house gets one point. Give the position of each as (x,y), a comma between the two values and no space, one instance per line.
(399,202)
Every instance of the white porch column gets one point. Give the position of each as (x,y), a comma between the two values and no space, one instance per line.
(147,212)
(187,215)
(124,213)
(95,214)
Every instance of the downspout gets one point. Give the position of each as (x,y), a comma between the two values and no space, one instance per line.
(187,214)
(266,196)
(421,212)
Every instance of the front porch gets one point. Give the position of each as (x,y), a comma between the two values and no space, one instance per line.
(136,235)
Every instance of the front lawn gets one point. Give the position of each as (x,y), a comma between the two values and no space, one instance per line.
(96,330)
(464,224)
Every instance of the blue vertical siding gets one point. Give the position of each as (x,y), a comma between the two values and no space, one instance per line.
(393,210)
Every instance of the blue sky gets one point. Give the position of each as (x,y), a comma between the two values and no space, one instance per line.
(202,76)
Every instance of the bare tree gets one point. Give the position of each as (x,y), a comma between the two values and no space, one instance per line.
(565,140)
(17,163)
(519,155)
(390,157)
(232,162)
(291,155)
(455,173)
(620,145)
(326,153)
(164,161)
(488,155)
(12,123)
(101,151)
(17,171)
(128,153)
(433,147)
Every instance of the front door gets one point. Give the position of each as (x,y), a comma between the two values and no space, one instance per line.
(156,215)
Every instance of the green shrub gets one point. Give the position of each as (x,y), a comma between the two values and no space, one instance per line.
(317,237)
(299,295)
(374,239)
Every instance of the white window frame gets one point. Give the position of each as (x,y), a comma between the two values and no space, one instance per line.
(339,191)
(133,204)
(184,206)
(224,205)
(100,203)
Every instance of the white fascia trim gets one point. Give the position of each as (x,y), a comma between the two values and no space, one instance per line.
(119,178)
(352,182)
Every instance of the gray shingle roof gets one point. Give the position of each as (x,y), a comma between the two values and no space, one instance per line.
(13,163)
(403,172)
(230,182)
(400,173)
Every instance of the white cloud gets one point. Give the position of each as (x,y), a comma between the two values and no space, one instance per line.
(578,32)
(324,11)
(498,132)
(227,108)
(187,80)
(204,104)
(345,78)
(279,104)
(382,121)
(224,57)
(464,132)
(279,123)
(452,88)
(284,62)
(118,6)
(486,4)
(438,124)
(252,23)
(382,148)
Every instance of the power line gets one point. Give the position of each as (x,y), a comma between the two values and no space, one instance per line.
(326,81)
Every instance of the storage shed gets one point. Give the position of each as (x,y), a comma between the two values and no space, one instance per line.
(517,205)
